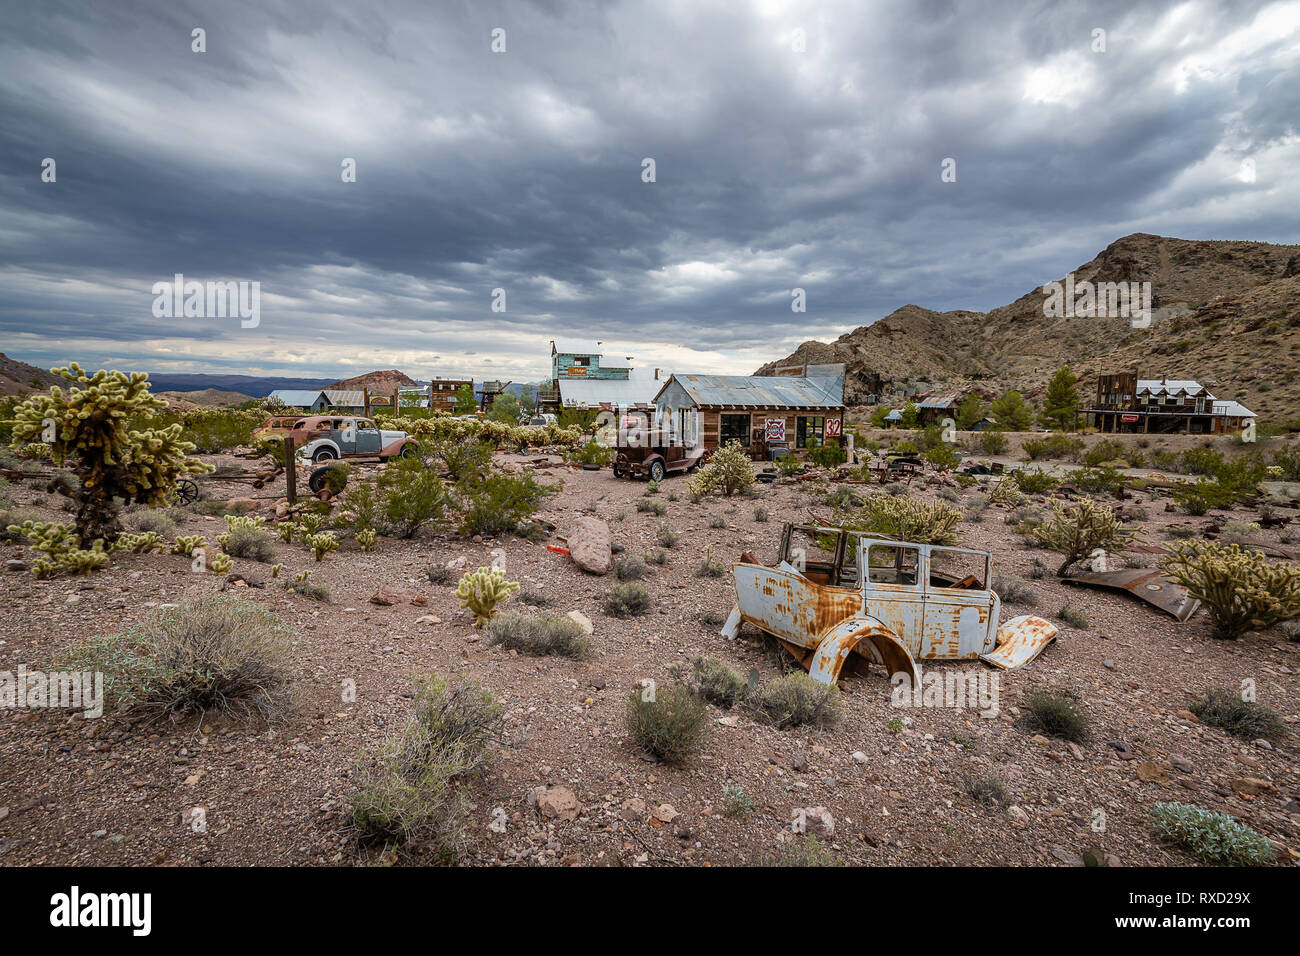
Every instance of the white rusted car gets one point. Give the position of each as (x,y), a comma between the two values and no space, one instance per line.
(841,598)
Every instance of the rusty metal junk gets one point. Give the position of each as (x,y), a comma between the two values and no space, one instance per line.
(839,598)
(1146,585)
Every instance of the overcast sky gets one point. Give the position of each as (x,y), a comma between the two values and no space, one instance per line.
(522,170)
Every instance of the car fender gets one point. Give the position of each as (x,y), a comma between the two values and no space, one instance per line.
(868,637)
(310,449)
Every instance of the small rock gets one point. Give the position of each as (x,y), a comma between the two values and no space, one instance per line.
(1181,763)
(557,803)
(588,542)
(582,621)
(387,596)
(859,757)
(1018,816)
(1253,786)
(817,821)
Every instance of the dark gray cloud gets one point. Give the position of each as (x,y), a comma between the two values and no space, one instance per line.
(522,170)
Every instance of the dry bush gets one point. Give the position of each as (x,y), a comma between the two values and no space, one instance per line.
(671,724)
(539,635)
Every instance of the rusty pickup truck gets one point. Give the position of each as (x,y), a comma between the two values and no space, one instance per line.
(839,598)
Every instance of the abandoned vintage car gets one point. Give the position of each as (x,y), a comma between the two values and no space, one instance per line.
(325,437)
(836,597)
(276,427)
(644,449)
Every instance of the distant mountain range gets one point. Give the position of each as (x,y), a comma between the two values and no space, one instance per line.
(258,386)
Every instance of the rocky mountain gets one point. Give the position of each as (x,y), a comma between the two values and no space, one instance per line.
(384,382)
(18,377)
(1225,313)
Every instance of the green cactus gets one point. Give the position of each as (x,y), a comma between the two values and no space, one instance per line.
(186,543)
(1242,590)
(302,576)
(276,569)
(322,544)
(1077,530)
(90,428)
(252,522)
(366,538)
(309,522)
(286,530)
(142,543)
(61,548)
(482,590)
(221,563)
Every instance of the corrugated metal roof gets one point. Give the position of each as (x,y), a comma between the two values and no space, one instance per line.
(939,401)
(1232,410)
(595,391)
(762,391)
(1170,386)
(296,396)
(348,397)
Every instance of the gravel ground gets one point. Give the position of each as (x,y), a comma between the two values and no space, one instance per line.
(74,791)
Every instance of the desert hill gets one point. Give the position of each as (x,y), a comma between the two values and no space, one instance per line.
(1226,313)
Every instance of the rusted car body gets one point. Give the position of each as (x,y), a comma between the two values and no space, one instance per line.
(640,452)
(848,599)
(326,437)
(1145,585)
(276,427)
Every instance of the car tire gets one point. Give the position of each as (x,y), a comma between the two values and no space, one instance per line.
(408,451)
(657,471)
(324,454)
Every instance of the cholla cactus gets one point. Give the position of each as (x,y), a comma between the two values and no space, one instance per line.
(302,576)
(186,543)
(1008,490)
(309,522)
(322,544)
(276,569)
(252,522)
(905,518)
(1242,590)
(142,543)
(221,563)
(89,429)
(1078,530)
(728,471)
(286,530)
(366,538)
(61,549)
(482,590)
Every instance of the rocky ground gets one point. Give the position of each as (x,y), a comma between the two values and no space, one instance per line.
(77,791)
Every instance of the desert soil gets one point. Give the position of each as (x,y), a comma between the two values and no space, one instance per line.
(78,791)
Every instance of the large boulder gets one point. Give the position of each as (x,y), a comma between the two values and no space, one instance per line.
(589,545)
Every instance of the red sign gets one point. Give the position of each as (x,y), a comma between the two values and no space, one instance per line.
(1128,418)
(832,428)
(776,429)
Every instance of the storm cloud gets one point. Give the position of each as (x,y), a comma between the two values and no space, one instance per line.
(795,145)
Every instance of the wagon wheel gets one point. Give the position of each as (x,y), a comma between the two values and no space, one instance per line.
(186,491)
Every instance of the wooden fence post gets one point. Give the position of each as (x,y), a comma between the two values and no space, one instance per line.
(290,470)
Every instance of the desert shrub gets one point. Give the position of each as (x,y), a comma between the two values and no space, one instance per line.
(481,590)
(1108,449)
(629,567)
(1073,617)
(659,556)
(410,495)
(805,851)
(212,655)
(907,519)
(1056,715)
(666,536)
(500,503)
(1247,719)
(415,794)
(592,453)
(670,724)
(717,523)
(715,681)
(251,543)
(1198,497)
(156,520)
(1214,838)
(1241,589)
(439,574)
(788,466)
(1034,482)
(1076,531)
(993,443)
(462,457)
(987,789)
(942,456)
(539,635)
(1012,590)
(760,513)
(628,599)
(727,472)
(1235,532)
(312,592)
(1200,461)
(1054,446)
(735,802)
(1099,480)
(649,505)
(709,568)
(795,700)
(826,454)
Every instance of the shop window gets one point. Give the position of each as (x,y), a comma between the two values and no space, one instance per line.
(809,426)
(735,428)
